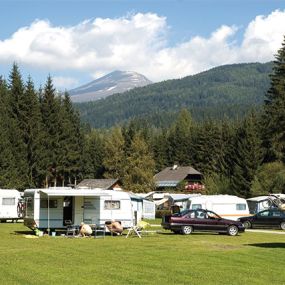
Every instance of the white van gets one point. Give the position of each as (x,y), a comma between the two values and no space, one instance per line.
(55,208)
(227,206)
(11,207)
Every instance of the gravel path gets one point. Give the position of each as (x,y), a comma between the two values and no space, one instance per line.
(266,232)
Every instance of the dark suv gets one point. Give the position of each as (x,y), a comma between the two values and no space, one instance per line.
(271,218)
(200,220)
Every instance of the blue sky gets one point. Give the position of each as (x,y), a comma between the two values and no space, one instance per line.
(77,41)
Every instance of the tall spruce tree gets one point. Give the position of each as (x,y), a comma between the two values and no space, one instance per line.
(207,143)
(93,155)
(50,109)
(18,113)
(180,139)
(274,110)
(34,136)
(247,158)
(8,173)
(71,142)
(160,147)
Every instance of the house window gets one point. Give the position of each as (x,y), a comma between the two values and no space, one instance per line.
(8,201)
(51,204)
(112,205)
(240,207)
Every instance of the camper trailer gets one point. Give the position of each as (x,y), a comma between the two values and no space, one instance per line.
(56,208)
(10,205)
(227,206)
(260,203)
(257,204)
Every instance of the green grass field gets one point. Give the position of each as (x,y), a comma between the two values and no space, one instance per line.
(163,258)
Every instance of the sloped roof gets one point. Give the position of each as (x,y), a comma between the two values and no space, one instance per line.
(169,174)
(97,183)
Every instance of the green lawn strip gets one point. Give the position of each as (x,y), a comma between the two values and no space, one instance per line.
(250,258)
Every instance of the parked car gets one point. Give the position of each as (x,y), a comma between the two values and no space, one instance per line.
(189,221)
(270,218)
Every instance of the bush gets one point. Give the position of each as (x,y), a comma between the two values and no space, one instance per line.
(161,213)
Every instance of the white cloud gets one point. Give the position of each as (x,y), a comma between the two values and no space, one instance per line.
(138,42)
(63,83)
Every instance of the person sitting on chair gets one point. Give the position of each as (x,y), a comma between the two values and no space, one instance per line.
(85,230)
(115,227)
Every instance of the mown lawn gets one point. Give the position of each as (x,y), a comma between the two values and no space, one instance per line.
(165,258)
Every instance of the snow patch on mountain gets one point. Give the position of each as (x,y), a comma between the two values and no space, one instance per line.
(114,82)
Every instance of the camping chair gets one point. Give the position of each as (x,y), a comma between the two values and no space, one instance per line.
(72,230)
(138,230)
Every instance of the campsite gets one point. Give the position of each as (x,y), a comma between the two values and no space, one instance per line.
(163,258)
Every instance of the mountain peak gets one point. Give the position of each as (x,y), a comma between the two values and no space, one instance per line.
(115,82)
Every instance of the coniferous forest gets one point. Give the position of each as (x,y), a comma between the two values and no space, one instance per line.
(43,143)
(224,91)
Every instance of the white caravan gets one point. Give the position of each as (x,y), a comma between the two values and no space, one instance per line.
(55,208)
(227,206)
(10,205)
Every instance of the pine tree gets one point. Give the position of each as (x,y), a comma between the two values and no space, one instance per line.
(274,110)
(50,109)
(180,139)
(93,155)
(247,158)
(207,152)
(8,173)
(71,141)
(139,168)
(18,114)
(34,136)
(160,147)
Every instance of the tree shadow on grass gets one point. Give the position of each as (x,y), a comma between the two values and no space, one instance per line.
(23,232)
(269,245)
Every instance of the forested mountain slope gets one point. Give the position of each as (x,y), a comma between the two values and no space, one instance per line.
(230,90)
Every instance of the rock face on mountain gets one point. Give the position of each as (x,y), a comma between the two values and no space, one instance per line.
(114,82)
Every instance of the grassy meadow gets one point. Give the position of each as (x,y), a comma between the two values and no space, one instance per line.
(162,258)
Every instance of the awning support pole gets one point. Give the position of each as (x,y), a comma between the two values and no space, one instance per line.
(48,217)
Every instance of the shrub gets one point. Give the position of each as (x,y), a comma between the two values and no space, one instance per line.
(161,213)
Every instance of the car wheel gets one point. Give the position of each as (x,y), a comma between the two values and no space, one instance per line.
(232,230)
(187,230)
(282,226)
(247,224)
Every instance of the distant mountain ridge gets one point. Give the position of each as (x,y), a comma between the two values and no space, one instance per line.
(226,91)
(112,83)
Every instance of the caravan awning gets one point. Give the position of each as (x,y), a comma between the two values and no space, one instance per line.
(75,192)
(160,202)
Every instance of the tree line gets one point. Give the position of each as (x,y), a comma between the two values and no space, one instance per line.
(43,143)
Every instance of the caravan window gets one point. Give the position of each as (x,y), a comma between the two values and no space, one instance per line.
(196,206)
(240,207)
(8,201)
(112,205)
(52,203)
